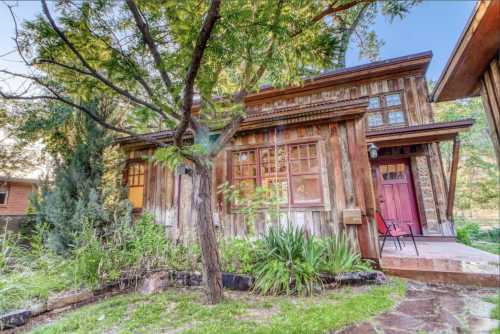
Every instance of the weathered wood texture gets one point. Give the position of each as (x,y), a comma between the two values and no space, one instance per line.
(490,94)
(345,171)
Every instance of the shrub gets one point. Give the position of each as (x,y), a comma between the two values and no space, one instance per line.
(338,256)
(238,255)
(287,262)
(131,250)
(467,232)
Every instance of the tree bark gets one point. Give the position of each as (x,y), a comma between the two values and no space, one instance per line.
(202,191)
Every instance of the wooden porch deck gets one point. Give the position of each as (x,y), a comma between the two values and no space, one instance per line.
(442,262)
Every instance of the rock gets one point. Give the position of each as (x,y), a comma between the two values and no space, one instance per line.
(14,319)
(66,299)
(237,282)
(37,309)
(156,282)
(359,278)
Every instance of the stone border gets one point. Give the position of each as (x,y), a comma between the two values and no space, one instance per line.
(159,280)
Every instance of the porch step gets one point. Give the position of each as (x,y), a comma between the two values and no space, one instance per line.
(443,270)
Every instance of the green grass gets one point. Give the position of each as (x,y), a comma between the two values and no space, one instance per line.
(242,313)
(495,312)
(21,289)
(491,247)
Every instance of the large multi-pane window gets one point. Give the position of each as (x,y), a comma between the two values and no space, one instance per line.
(135,183)
(291,169)
(385,110)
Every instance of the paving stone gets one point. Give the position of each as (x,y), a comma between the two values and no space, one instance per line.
(398,320)
(431,308)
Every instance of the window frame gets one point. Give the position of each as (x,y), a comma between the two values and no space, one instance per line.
(385,110)
(259,178)
(144,186)
(6,192)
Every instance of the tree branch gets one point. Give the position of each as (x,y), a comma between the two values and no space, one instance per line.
(201,44)
(56,96)
(96,74)
(148,40)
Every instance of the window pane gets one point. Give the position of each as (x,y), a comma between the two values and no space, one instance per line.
(303,151)
(393,172)
(393,100)
(375,119)
(304,166)
(306,189)
(374,102)
(246,187)
(277,187)
(136,196)
(295,166)
(396,117)
(312,151)
(249,170)
(294,152)
(3,198)
(313,165)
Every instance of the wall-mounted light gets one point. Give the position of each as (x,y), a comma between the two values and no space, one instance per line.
(373,151)
(184,170)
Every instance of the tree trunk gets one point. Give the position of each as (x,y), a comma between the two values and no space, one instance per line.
(202,191)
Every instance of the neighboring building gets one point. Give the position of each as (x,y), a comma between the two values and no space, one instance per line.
(14,200)
(321,133)
(474,66)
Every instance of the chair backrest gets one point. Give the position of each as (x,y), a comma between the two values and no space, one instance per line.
(381,225)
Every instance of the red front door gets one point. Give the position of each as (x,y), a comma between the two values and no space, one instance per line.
(396,197)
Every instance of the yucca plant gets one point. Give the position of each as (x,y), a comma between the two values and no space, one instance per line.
(287,262)
(338,256)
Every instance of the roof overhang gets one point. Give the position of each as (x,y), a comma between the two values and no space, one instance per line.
(476,47)
(418,134)
(418,62)
(278,117)
(8,179)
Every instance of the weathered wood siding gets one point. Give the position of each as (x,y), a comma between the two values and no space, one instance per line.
(344,169)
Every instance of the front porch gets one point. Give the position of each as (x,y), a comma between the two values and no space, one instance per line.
(442,262)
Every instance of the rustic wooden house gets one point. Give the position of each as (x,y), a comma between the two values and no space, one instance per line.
(474,66)
(340,146)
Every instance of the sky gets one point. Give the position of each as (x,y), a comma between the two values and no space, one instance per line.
(433,25)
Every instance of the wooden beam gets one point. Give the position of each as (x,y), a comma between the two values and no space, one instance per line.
(453,178)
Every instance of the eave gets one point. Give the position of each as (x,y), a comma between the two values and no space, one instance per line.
(478,44)
(418,134)
(415,62)
(278,117)
(7,179)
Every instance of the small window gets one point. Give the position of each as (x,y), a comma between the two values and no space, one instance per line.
(393,172)
(375,119)
(392,100)
(135,183)
(396,117)
(374,102)
(3,197)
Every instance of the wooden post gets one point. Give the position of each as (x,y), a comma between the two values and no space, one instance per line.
(453,178)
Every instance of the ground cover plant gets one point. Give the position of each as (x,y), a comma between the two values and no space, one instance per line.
(284,261)
(31,273)
(472,234)
(287,261)
(184,311)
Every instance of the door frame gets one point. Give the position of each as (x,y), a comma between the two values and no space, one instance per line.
(375,163)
